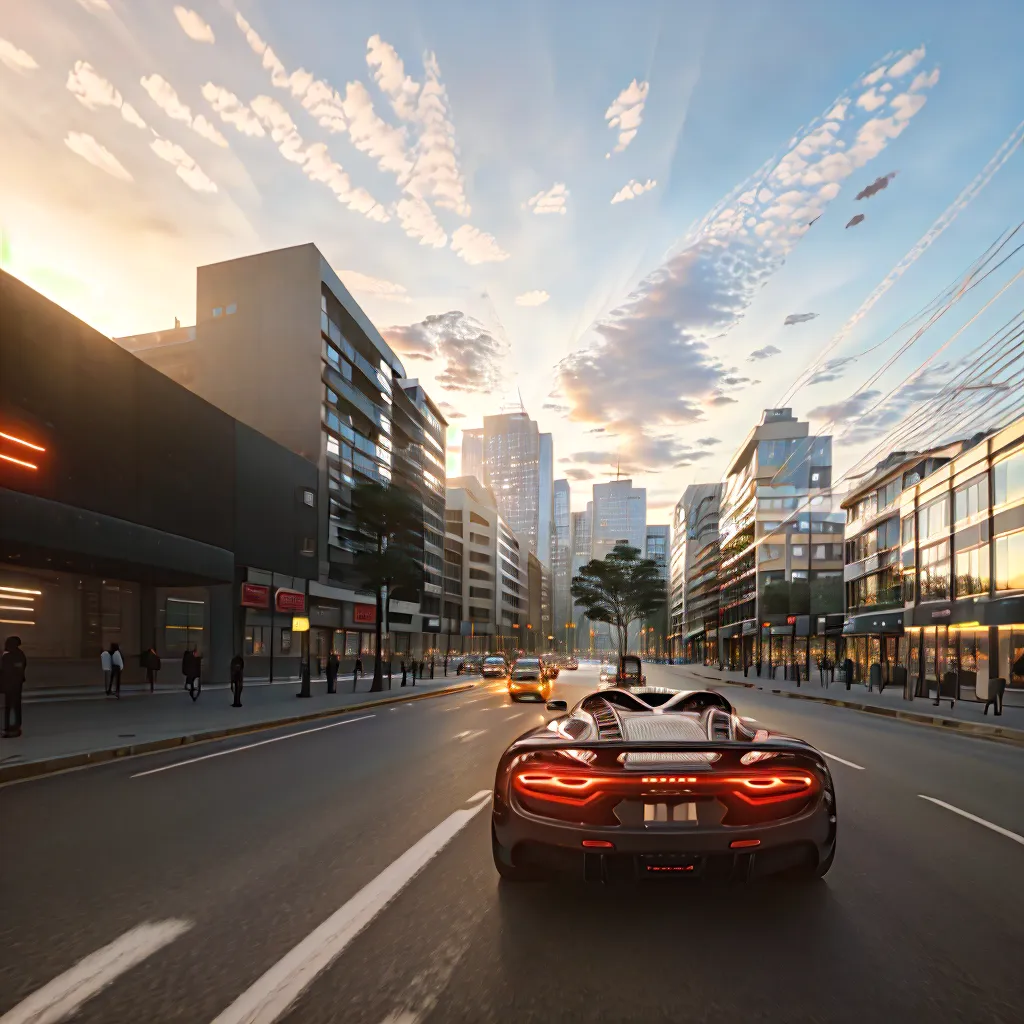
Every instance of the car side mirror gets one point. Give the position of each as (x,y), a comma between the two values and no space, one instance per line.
(557,705)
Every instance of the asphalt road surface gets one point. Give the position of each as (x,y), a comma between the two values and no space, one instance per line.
(342,873)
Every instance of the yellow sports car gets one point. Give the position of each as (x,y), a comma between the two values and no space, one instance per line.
(529,681)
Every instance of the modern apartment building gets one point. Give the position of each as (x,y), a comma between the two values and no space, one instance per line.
(962,551)
(473,454)
(538,617)
(512,584)
(693,582)
(561,566)
(580,540)
(781,547)
(656,548)
(873,574)
(281,345)
(546,501)
(512,455)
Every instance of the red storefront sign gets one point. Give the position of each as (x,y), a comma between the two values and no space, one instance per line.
(290,601)
(254,595)
(364,614)
(790,620)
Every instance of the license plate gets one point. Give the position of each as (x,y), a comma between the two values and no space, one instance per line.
(669,863)
(663,814)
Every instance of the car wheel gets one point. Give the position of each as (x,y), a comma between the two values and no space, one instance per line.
(505,868)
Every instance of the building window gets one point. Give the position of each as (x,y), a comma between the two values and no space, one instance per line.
(934,572)
(479,556)
(479,520)
(183,624)
(218,310)
(479,538)
(256,640)
(232,308)
(1008,479)
(1010,562)
(908,531)
(483,592)
(481,574)
(971,499)
(889,493)
(972,573)
(933,520)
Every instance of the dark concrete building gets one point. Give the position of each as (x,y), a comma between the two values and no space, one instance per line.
(132,511)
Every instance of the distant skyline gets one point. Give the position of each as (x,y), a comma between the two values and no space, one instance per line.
(650,227)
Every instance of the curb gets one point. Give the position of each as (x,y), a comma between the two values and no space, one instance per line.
(51,765)
(996,733)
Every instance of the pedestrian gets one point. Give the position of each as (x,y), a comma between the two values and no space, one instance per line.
(403,671)
(12,678)
(431,666)
(105,664)
(237,678)
(151,663)
(197,661)
(116,667)
(188,667)
(333,666)
(357,669)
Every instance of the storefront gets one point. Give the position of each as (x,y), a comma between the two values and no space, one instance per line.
(874,638)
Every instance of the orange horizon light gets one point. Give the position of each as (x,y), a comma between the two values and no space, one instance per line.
(26,444)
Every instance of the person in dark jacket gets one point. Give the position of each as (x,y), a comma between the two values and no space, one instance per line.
(237,678)
(188,666)
(404,672)
(356,671)
(333,667)
(116,668)
(12,678)
(151,663)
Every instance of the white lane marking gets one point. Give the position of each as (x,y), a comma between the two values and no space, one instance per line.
(269,996)
(250,746)
(841,760)
(518,714)
(469,734)
(59,999)
(478,796)
(970,817)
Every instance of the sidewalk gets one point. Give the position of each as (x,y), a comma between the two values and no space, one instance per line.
(65,734)
(965,716)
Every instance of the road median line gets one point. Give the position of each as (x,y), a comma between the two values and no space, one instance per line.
(65,762)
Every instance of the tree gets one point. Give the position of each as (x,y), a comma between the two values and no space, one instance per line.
(619,590)
(389,522)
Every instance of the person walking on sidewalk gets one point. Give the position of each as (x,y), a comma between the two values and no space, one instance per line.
(357,669)
(237,679)
(116,667)
(404,671)
(105,665)
(190,670)
(197,682)
(151,663)
(333,667)
(12,678)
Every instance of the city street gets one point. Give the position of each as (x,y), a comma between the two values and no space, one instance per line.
(346,876)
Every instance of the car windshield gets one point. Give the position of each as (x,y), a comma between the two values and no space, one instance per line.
(495,661)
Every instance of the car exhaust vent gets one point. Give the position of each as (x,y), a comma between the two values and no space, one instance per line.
(721,726)
(607,720)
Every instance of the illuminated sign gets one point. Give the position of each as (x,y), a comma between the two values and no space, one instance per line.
(290,601)
(300,624)
(364,614)
(790,620)
(19,452)
(255,596)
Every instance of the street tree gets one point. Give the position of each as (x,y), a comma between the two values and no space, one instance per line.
(620,590)
(389,522)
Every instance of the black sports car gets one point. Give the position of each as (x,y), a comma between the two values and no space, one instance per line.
(656,782)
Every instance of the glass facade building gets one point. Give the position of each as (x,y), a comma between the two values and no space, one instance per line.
(561,565)
(512,455)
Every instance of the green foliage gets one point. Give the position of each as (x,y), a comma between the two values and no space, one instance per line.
(619,590)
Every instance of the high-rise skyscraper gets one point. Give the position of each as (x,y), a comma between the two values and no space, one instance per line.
(579,541)
(545,505)
(512,470)
(561,562)
(656,548)
(473,454)
(620,515)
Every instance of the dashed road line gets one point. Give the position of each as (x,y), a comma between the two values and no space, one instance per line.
(59,999)
(841,760)
(250,746)
(965,814)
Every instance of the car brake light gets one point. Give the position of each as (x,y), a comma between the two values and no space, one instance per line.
(743,844)
(599,844)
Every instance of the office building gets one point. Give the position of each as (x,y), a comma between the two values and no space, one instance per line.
(962,551)
(512,584)
(134,512)
(546,501)
(873,574)
(580,541)
(694,575)
(781,547)
(473,454)
(512,471)
(561,566)
(281,345)
(656,548)
(619,517)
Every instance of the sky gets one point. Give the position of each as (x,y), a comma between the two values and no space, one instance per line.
(650,222)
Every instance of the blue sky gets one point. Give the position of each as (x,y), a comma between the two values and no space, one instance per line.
(457,164)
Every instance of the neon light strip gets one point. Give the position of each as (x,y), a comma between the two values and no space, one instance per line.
(20,590)
(16,608)
(18,440)
(17,622)
(18,462)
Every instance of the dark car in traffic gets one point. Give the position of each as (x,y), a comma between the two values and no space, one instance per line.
(651,782)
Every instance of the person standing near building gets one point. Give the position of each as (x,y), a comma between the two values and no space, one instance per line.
(196,686)
(105,665)
(116,667)
(355,674)
(333,666)
(12,678)
(237,679)
(151,663)
(189,669)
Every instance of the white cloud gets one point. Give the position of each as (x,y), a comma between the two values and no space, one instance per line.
(193,25)
(93,91)
(355,281)
(534,298)
(875,75)
(95,6)
(476,246)
(626,112)
(89,149)
(389,74)
(633,189)
(871,100)
(906,63)
(372,135)
(184,166)
(164,95)
(15,59)
(925,80)
(550,201)
(419,222)
(232,110)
